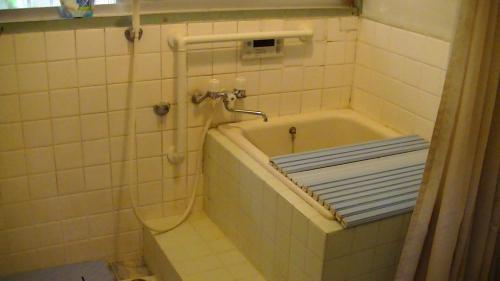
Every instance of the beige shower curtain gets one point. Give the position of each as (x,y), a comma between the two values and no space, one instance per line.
(453,232)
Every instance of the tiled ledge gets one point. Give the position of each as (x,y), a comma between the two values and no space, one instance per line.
(51,21)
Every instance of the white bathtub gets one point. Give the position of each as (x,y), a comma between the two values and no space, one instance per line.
(325,129)
(267,217)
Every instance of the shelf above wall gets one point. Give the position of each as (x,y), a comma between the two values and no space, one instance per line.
(43,19)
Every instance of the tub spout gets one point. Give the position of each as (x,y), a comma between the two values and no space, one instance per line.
(244,111)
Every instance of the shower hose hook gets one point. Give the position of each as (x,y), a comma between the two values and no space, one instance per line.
(130,34)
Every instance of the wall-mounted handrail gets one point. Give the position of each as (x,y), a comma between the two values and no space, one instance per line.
(176,154)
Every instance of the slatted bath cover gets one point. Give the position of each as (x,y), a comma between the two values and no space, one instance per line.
(363,182)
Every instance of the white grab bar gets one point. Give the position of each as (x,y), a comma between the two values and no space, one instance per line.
(176,154)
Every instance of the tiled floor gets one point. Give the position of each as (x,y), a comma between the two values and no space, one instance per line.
(199,251)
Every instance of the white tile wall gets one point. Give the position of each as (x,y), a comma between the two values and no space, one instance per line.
(63,102)
(399,77)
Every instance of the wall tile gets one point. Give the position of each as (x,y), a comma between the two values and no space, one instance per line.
(37,133)
(117,69)
(117,123)
(62,74)
(91,72)
(94,126)
(98,177)
(271,81)
(148,67)
(167,65)
(50,233)
(348,23)
(335,52)
(150,193)
(248,26)
(335,76)
(68,156)
(35,106)
(314,53)
(224,61)
(30,47)
(32,77)
(99,201)
(42,186)
(269,104)
(18,214)
(8,79)
(46,210)
(313,77)
(12,137)
(333,32)
(64,102)
(311,101)
(7,51)
(93,99)
(293,79)
(14,190)
(149,145)
(66,130)
(150,41)
(40,160)
(96,152)
(290,103)
(335,98)
(434,52)
(199,62)
(70,181)
(9,109)
(60,44)
(90,43)
(148,93)
(149,169)
(20,239)
(75,229)
(382,35)
(432,79)
(116,43)
(73,205)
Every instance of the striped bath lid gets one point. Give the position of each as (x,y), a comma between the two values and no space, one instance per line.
(363,182)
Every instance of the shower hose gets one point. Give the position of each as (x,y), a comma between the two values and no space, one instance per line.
(131,145)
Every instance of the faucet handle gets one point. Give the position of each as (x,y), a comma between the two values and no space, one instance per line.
(239,89)
(241,83)
(214,85)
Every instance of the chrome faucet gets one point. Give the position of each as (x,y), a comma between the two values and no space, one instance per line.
(228,97)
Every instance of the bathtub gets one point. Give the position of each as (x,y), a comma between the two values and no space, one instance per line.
(313,131)
(286,236)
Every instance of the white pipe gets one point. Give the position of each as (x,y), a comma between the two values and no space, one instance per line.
(177,154)
(131,145)
(136,17)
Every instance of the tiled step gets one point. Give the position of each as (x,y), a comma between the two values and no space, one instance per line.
(199,251)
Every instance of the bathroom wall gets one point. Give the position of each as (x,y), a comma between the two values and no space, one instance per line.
(434,18)
(399,77)
(63,116)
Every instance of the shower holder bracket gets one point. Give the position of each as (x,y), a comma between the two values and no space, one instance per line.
(161,109)
(130,34)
